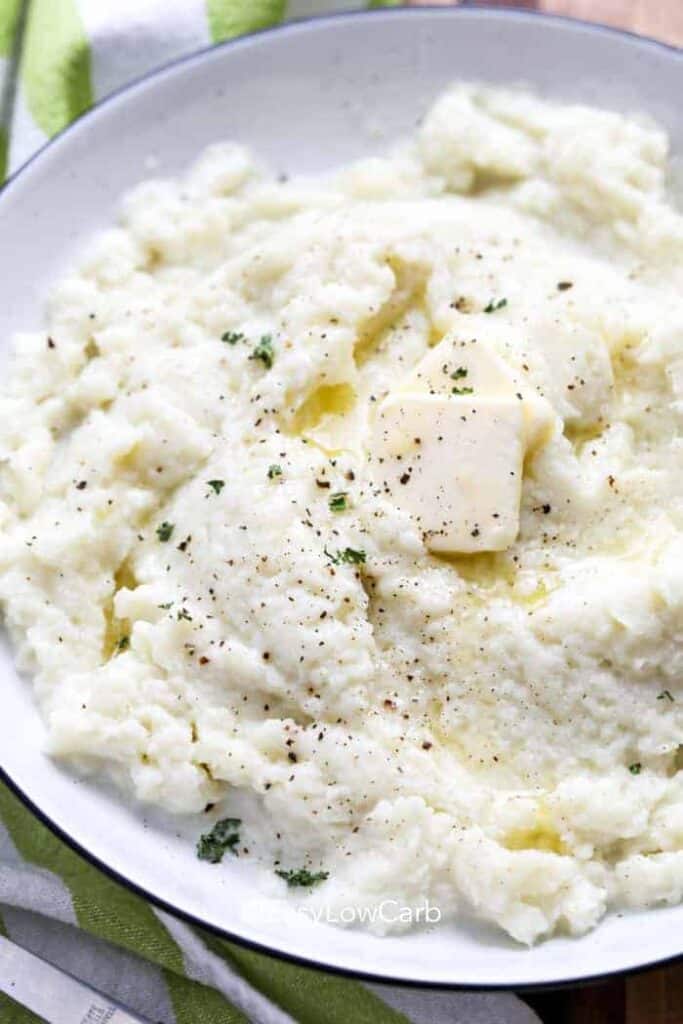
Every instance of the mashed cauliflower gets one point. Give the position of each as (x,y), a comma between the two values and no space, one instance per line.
(217,600)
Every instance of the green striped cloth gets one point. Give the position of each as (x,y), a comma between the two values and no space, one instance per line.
(9,23)
(62,908)
(56,58)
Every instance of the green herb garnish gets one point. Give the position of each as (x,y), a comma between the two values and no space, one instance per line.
(303,877)
(217,485)
(665,695)
(165,531)
(462,391)
(123,643)
(165,607)
(338,502)
(348,555)
(223,836)
(459,373)
(182,613)
(635,768)
(274,471)
(264,351)
(495,305)
(232,337)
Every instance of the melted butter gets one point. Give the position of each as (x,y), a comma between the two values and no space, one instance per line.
(326,401)
(329,419)
(580,434)
(115,629)
(536,597)
(539,838)
(487,569)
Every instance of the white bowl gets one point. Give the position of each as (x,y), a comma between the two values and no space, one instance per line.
(307,97)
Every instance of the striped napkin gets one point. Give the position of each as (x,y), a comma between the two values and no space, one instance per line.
(56,58)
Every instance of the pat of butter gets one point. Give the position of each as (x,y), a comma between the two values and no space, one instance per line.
(465,363)
(455,464)
(450,441)
(460,362)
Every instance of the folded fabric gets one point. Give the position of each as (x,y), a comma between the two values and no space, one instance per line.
(57,57)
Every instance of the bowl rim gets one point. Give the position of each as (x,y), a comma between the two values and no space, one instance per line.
(480,12)
(465,8)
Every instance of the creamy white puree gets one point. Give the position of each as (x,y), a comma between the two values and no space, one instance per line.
(498,731)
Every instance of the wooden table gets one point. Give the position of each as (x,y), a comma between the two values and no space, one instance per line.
(662,19)
(653,997)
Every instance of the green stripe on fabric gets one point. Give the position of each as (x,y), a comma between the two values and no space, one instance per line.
(9,19)
(111,912)
(12,1013)
(102,907)
(385,3)
(9,26)
(55,64)
(196,1004)
(228,18)
(308,995)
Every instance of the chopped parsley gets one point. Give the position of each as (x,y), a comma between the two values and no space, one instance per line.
(635,768)
(216,485)
(165,531)
(182,613)
(223,836)
(123,643)
(264,351)
(349,556)
(166,606)
(665,695)
(232,337)
(495,304)
(274,471)
(459,374)
(462,391)
(303,877)
(338,502)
